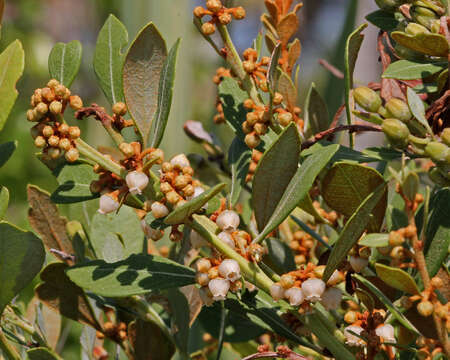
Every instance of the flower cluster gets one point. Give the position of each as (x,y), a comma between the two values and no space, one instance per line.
(256,156)
(52,134)
(219,14)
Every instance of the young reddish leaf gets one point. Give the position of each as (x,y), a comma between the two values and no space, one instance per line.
(287,27)
(142,70)
(44,218)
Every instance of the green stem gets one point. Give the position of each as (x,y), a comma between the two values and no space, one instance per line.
(235,61)
(115,135)
(8,350)
(272,274)
(250,271)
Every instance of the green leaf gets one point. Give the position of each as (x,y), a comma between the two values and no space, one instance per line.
(6,151)
(327,338)
(12,62)
(180,318)
(21,258)
(149,341)
(273,174)
(119,231)
(142,70)
(183,212)
(417,108)
(4,201)
(438,231)
(425,43)
(412,70)
(137,274)
(384,20)
(42,353)
(384,299)
(298,187)
(352,231)
(352,47)
(239,156)
(316,116)
(109,58)
(346,185)
(374,240)
(64,62)
(280,256)
(369,117)
(59,293)
(165,92)
(74,184)
(44,218)
(397,278)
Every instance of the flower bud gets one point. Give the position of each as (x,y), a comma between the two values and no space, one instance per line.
(214,5)
(350,317)
(437,282)
(47,131)
(398,109)
(75,102)
(351,339)
(335,278)
(295,296)
(63,129)
(54,153)
(368,99)
(48,95)
(260,129)
(180,161)
(416,29)
(74,132)
(252,140)
(285,118)
(53,141)
(239,13)
(203,265)
(107,204)
(159,210)
(126,149)
(40,142)
(219,288)
(228,220)
(277,98)
(31,115)
(395,238)
(277,292)
(225,18)
(227,239)
(425,308)
(208,29)
(197,241)
(252,118)
(119,108)
(445,136)
(64,144)
(249,66)
(199,12)
(172,197)
(55,107)
(136,182)
(202,279)
(60,90)
(287,281)
(229,269)
(313,289)
(41,108)
(72,155)
(396,131)
(437,151)
(386,332)
(358,263)
(181,181)
(331,298)
(52,83)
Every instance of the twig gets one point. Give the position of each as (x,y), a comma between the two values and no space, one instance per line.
(350,128)
(332,69)
(63,255)
(290,355)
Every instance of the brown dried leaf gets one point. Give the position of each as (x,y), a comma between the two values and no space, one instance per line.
(297,8)
(295,50)
(44,218)
(272,9)
(52,321)
(287,27)
(192,294)
(59,293)
(438,114)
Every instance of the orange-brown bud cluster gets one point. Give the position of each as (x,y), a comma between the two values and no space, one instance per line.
(256,123)
(256,69)
(116,332)
(256,156)
(218,14)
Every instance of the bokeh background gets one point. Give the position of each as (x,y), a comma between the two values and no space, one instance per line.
(39,24)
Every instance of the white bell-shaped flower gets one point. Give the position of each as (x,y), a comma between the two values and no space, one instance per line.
(386,332)
(198,190)
(230,270)
(228,220)
(159,210)
(203,265)
(136,182)
(358,263)
(351,339)
(180,161)
(313,289)
(197,241)
(219,288)
(295,296)
(331,298)
(107,204)
(227,239)
(277,292)
(202,279)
